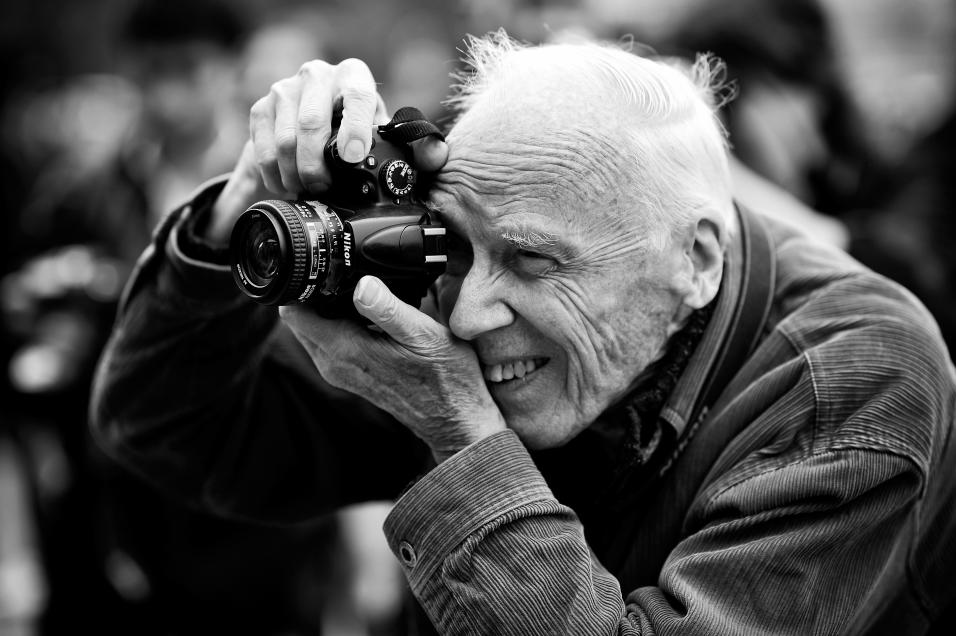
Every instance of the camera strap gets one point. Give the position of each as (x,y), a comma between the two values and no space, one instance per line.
(670,501)
(407,125)
(750,315)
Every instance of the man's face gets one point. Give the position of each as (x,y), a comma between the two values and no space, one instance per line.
(549,276)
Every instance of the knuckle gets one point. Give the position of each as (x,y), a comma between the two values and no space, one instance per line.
(312,176)
(427,339)
(353,65)
(334,379)
(330,371)
(265,160)
(312,120)
(281,88)
(285,141)
(311,172)
(332,365)
(259,110)
(389,312)
(361,97)
(314,68)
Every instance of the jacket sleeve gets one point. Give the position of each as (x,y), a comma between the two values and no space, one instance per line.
(502,556)
(206,395)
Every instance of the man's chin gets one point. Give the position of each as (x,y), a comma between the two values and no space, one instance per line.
(542,433)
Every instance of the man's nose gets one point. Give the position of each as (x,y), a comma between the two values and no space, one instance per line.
(480,308)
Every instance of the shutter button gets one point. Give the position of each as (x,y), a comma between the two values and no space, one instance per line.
(407,554)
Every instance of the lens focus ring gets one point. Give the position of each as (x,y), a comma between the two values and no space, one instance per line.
(300,251)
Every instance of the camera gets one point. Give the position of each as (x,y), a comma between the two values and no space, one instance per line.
(371,221)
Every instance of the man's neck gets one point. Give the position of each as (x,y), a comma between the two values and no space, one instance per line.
(629,425)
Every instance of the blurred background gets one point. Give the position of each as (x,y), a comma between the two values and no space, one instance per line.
(112,111)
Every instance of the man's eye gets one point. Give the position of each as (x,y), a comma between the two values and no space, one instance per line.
(535,262)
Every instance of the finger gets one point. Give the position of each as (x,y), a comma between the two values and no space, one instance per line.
(262,131)
(332,344)
(405,324)
(301,321)
(311,329)
(431,153)
(286,95)
(314,124)
(243,188)
(360,103)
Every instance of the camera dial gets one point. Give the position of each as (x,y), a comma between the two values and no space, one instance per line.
(398,177)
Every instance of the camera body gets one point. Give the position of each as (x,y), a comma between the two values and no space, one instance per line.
(314,251)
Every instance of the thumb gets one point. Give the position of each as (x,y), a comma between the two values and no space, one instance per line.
(430,152)
(405,324)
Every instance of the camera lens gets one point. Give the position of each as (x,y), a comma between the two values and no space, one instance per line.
(287,252)
(284,251)
(262,253)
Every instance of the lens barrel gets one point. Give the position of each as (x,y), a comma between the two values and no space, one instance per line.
(287,252)
(283,251)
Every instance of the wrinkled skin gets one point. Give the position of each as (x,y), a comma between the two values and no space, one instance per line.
(552,305)
(590,306)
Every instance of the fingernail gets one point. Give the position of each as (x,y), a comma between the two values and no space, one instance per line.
(354,151)
(368,292)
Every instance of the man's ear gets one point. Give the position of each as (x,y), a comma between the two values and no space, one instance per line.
(704,255)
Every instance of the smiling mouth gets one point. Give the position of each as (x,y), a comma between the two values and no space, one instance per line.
(512,370)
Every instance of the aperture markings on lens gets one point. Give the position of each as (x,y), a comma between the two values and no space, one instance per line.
(336,230)
(319,250)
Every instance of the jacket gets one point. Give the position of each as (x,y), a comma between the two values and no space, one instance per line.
(815,495)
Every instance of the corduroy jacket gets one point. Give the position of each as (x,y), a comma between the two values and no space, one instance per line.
(816,495)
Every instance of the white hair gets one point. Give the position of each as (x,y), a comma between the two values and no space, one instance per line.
(660,114)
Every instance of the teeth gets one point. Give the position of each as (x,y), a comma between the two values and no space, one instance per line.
(520,369)
(510,370)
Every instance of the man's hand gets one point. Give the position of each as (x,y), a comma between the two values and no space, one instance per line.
(289,128)
(416,369)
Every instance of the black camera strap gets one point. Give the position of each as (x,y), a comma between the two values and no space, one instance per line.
(750,315)
(408,125)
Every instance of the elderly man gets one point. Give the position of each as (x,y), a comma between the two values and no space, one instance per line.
(647,411)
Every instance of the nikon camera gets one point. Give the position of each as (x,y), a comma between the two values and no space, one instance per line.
(371,221)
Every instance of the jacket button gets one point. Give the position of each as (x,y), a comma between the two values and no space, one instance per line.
(407,554)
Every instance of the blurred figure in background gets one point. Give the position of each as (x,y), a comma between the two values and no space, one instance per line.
(23,581)
(69,237)
(912,237)
(184,58)
(420,60)
(793,119)
(23,585)
(795,122)
(280,44)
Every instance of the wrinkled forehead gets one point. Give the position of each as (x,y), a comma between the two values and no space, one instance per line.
(514,160)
